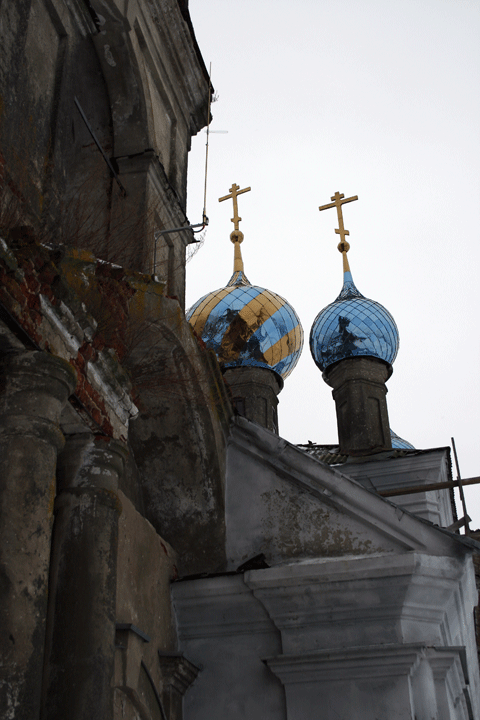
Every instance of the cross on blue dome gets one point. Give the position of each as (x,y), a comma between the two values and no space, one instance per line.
(353,325)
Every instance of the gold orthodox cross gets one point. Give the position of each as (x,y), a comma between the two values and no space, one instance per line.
(236,236)
(338,201)
(234,192)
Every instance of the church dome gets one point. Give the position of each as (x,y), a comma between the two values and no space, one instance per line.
(399,443)
(353,326)
(247,325)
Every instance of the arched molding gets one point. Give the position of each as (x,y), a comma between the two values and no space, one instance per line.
(179,443)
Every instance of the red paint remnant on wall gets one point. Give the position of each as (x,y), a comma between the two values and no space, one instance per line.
(29,273)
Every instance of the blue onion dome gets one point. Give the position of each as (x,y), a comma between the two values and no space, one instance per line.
(353,326)
(247,325)
(399,443)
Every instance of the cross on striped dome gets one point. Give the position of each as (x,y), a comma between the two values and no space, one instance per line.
(244,324)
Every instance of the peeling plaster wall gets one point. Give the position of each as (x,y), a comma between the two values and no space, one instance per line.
(266,515)
(269,511)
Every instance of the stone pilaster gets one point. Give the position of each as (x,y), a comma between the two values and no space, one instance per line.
(254,394)
(80,646)
(360,392)
(34,387)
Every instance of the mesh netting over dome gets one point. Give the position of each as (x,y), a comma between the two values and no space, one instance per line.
(353,326)
(247,325)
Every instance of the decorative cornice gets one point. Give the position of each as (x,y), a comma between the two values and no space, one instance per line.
(357,663)
(381,597)
(177,671)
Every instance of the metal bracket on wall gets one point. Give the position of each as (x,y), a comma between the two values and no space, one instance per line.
(159,233)
(201,225)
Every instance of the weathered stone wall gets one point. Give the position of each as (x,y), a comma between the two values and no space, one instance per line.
(140,380)
(179,436)
(34,387)
(133,351)
(141,85)
(48,153)
(88,341)
(146,565)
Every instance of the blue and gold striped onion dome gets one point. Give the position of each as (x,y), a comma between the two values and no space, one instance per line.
(353,326)
(247,325)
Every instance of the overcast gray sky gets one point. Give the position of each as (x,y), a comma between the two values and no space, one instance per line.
(375,98)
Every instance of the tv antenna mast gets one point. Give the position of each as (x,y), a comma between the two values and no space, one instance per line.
(204,223)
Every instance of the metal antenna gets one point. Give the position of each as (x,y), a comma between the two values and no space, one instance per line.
(208,131)
(206,145)
(204,222)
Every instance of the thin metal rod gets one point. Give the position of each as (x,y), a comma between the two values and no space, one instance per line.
(206,146)
(155,238)
(97,143)
(155,691)
(426,488)
(460,487)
